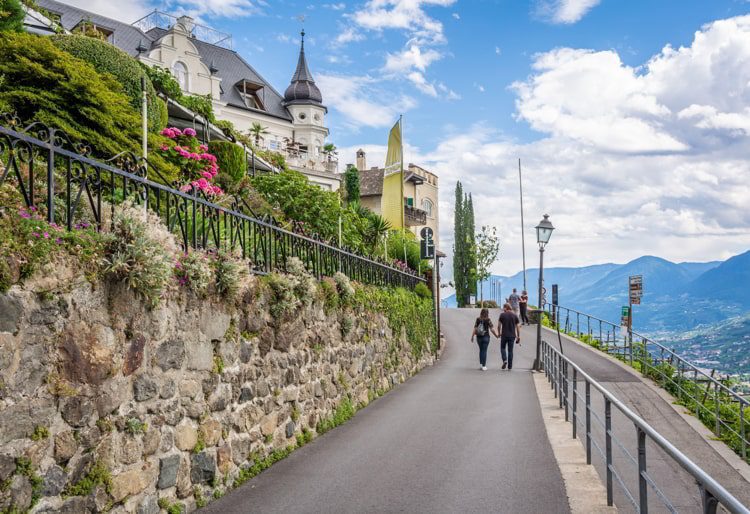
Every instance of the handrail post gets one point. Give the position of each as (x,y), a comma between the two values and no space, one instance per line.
(716,409)
(575,403)
(565,387)
(50,179)
(710,503)
(588,422)
(642,484)
(608,444)
(560,379)
(743,436)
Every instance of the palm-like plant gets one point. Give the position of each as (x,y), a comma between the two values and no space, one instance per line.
(330,150)
(377,229)
(257,131)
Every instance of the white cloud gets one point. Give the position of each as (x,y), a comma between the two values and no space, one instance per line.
(421,83)
(480,87)
(349,35)
(456,16)
(565,11)
(408,15)
(352,96)
(335,7)
(214,8)
(498,51)
(649,160)
(409,58)
(135,8)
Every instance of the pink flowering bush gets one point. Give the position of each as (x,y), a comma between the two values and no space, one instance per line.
(198,168)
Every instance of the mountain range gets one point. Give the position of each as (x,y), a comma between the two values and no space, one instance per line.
(678,298)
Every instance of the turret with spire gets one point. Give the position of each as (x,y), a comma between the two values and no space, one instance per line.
(302,89)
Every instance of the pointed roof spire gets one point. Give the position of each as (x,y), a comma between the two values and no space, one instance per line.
(302,88)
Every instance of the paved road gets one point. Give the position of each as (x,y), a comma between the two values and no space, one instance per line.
(677,485)
(451,439)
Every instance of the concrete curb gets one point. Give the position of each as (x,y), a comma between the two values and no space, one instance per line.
(585,490)
(726,453)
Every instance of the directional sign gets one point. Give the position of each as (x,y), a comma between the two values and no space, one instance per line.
(554,294)
(625,311)
(635,287)
(426,233)
(426,249)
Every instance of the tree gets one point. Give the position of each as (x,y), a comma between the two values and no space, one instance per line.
(330,150)
(486,252)
(471,256)
(351,184)
(11,16)
(258,131)
(459,249)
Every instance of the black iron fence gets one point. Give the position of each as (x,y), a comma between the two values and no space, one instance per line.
(590,407)
(57,176)
(719,407)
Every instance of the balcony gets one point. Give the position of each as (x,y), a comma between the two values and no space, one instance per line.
(414,217)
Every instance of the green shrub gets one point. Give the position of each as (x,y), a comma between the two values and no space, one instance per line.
(163,81)
(229,273)
(192,270)
(43,83)
(106,58)
(11,16)
(97,475)
(232,164)
(199,104)
(424,292)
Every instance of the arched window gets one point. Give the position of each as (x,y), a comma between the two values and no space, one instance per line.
(180,72)
(427,206)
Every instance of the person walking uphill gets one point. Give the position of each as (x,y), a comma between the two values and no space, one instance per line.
(482,329)
(524,304)
(510,332)
(515,301)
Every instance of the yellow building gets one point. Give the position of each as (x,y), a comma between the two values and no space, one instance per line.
(420,194)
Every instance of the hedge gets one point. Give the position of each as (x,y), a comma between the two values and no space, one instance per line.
(43,83)
(106,58)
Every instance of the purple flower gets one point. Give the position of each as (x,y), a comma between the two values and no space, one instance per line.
(189,132)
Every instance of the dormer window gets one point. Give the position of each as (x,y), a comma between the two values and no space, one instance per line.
(91,29)
(252,94)
(180,72)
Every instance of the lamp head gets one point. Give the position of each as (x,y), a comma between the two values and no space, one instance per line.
(544,231)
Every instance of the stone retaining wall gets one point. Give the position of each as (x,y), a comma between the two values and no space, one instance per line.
(108,405)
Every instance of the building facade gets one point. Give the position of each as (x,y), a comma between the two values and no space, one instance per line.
(420,195)
(203,63)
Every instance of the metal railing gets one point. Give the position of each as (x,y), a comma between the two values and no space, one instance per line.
(415,216)
(718,406)
(565,377)
(55,175)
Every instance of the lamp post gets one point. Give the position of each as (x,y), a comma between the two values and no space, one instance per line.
(543,233)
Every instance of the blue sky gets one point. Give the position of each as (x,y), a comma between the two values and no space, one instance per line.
(631,118)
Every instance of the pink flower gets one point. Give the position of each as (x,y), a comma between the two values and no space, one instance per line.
(189,132)
(203,148)
(164,148)
(207,175)
(202,183)
(46,235)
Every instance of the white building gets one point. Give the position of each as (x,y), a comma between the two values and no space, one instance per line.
(202,61)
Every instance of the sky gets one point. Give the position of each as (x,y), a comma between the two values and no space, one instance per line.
(631,119)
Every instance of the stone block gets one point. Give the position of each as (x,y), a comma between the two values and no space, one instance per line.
(7,466)
(151,440)
(221,398)
(289,431)
(168,389)
(54,481)
(65,446)
(202,468)
(10,313)
(211,431)
(170,355)
(269,423)
(18,421)
(130,449)
(240,445)
(132,481)
(20,493)
(214,324)
(246,351)
(246,394)
(149,505)
(134,355)
(190,388)
(144,388)
(168,468)
(78,411)
(224,459)
(200,356)
(185,437)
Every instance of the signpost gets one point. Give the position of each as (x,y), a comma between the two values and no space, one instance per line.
(635,292)
(554,303)
(427,252)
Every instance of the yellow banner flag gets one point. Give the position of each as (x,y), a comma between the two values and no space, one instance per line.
(392,201)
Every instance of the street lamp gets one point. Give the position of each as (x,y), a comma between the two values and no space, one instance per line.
(543,233)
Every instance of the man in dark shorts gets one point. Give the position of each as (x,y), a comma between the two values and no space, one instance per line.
(510,333)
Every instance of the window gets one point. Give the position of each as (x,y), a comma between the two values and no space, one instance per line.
(274,144)
(427,206)
(180,72)
(252,94)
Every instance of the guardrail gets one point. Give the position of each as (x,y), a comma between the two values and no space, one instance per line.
(565,376)
(718,406)
(55,175)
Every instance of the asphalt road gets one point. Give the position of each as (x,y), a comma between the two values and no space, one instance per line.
(451,439)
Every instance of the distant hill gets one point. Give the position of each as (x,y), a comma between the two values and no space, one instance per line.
(727,282)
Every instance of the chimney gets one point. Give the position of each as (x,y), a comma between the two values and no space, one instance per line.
(187,23)
(361,160)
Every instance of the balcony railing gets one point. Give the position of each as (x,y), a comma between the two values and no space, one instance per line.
(414,217)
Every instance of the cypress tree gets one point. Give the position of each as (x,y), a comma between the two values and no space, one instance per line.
(459,253)
(471,254)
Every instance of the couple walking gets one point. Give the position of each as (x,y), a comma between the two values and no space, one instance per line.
(508,330)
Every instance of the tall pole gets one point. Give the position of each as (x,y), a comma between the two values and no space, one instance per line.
(144,117)
(540,310)
(523,241)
